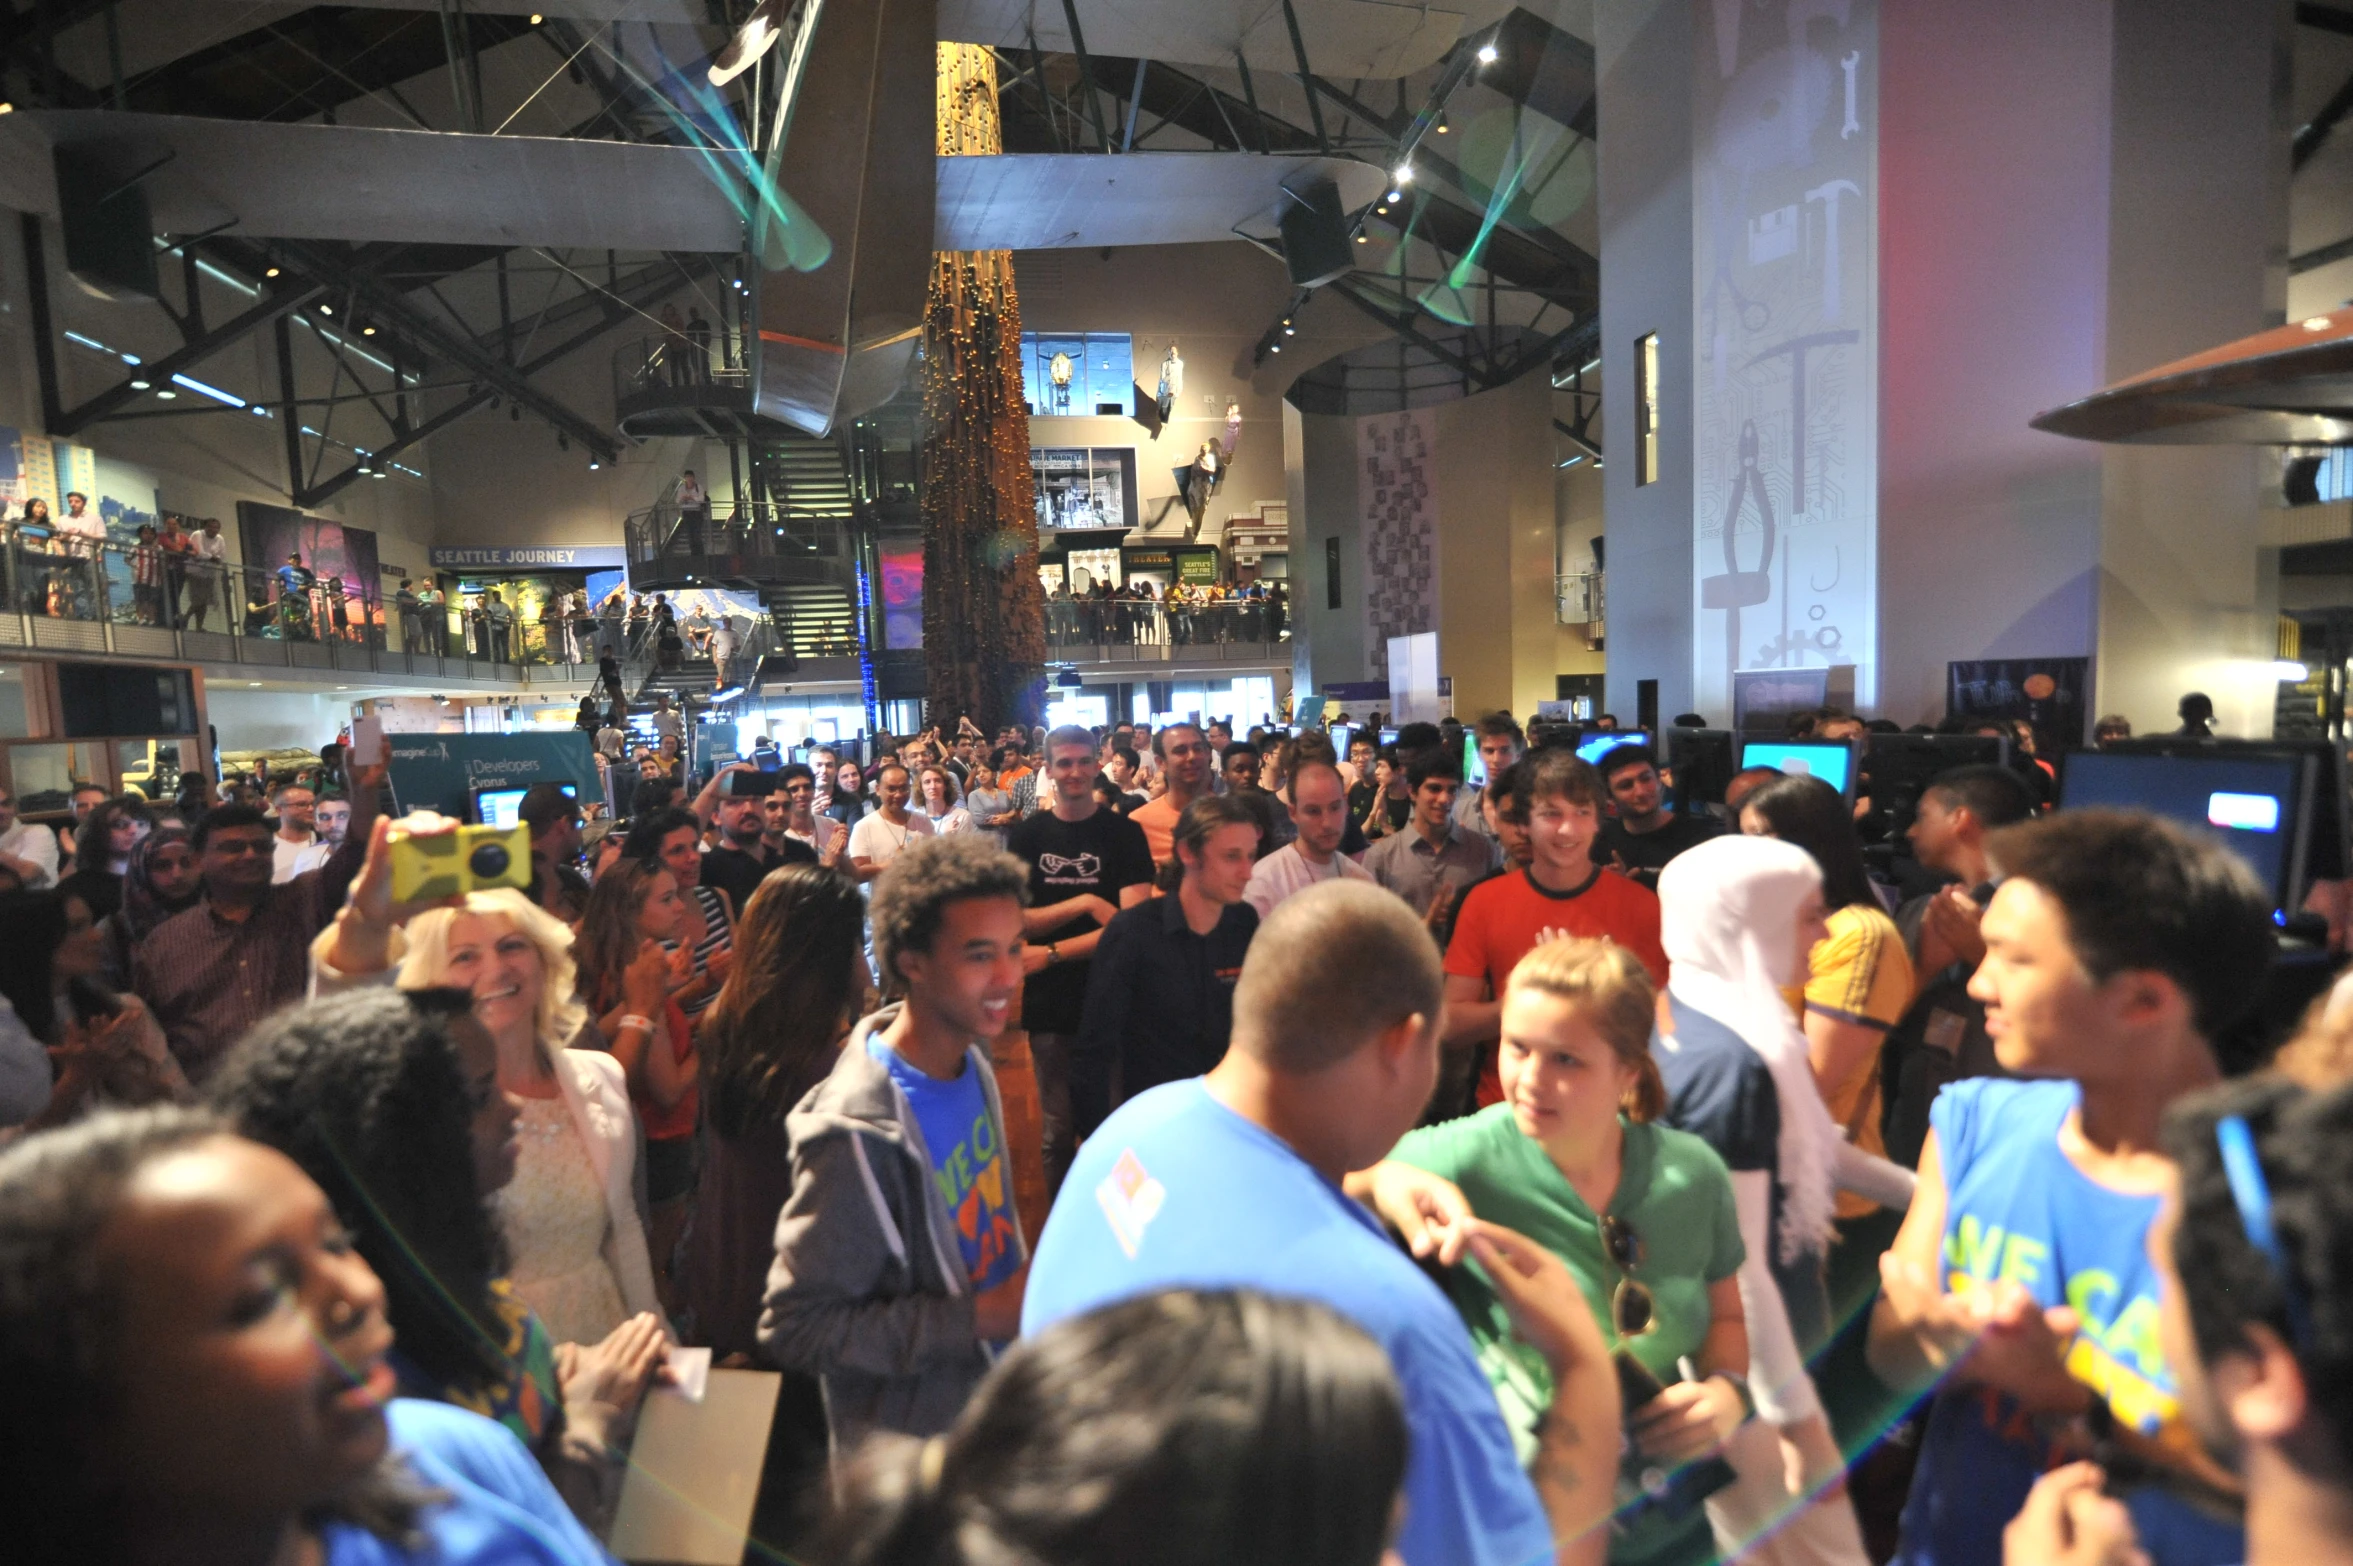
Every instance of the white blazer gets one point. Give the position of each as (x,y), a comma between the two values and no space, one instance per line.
(597,1094)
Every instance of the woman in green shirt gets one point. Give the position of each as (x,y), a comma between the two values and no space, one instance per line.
(1642,1214)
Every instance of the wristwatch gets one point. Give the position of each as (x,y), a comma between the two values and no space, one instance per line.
(1739,1384)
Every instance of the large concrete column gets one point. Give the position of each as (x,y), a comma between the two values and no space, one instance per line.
(2067,192)
(1643,173)
(2073,191)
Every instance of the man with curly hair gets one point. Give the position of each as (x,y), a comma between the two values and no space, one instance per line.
(899,1255)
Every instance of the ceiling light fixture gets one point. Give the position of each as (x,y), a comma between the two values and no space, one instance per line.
(272,272)
(367,331)
(326,309)
(1488,55)
(1401,175)
(7,108)
(167,394)
(140,385)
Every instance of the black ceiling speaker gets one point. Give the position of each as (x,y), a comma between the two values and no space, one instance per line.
(109,241)
(1315,233)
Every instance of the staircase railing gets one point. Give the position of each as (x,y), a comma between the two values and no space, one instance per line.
(750,531)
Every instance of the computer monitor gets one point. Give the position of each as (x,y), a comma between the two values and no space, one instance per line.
(1343,736)
(2330,856)
(1598,743)
(1833,762)
(498,807)
(2256,801)
(1896,768)
(1701,762)
(1388,738)
(1474,766)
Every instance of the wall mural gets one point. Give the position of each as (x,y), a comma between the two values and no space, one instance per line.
(1397,497)
(1785,447)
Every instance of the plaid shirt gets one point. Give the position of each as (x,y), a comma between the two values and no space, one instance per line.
(209,979)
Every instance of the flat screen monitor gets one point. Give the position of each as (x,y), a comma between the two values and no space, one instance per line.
(2330,857)
(1474,767)
(1343,736)
(1388,738)
(1598,743)
(1701,763)
(498,807)
(2258,803)
(1896,767)
(1834,763)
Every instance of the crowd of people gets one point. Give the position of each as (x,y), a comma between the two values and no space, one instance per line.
(1146,614)
(1169,1146)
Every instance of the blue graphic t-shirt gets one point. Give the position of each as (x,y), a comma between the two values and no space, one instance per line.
(1177,1191)
(2017,1208)
(968,1161)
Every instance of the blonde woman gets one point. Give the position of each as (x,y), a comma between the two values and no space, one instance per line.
(1644,1217)
(573,1231)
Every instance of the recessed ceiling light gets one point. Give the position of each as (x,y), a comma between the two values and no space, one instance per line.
(1487,54)
(326,309)
(1363,239)
(167,394)
(367,331)
(272,272)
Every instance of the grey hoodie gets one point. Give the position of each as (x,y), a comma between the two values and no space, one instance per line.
(869,1290)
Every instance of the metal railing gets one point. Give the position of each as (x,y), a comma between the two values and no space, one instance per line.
(748,532)
(1581,598)
(78,593)
(1159,624)
(677,363)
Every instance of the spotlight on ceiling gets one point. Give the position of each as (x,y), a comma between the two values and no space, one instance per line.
(1394,195)
(326,309)
(1401,175)
(367,331)
(140,385)
(536,19)
(1488,55)
(167,394)
(270,272)
(593,464)
(7,108)
(755,38)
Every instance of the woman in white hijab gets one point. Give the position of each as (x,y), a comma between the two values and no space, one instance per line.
(1738,918)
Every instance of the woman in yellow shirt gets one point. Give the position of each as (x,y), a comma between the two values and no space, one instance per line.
(1859,978)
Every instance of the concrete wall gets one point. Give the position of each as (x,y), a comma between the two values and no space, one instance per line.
(2197,227)
(1498,536)
(1643,50)
(1993,187)
(272,720)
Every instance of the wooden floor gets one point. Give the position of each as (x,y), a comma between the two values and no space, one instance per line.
(1017,1089)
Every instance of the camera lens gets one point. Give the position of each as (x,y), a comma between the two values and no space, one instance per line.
(489,862)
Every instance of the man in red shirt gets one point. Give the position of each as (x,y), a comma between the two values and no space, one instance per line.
(1562,892)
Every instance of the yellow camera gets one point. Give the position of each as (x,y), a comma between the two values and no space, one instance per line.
(450,864)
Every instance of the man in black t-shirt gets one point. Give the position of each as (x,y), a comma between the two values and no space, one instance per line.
(1645,834)
(1085,864)
(742,861)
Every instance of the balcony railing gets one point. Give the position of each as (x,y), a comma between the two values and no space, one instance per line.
(679,362)
(72,593)
(746,536)
(1124,629)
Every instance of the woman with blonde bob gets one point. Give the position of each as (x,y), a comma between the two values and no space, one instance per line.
(573,1231)
(1643,1215)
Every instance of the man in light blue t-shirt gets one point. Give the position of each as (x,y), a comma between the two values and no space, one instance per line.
(1234,1180)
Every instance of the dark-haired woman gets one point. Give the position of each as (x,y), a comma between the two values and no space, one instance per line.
(673,836)
(634,976)
(47,941)
(165,878)
(1859,977)
(798,983)
(1165,1430)
(103,846)
(1643,1216)
(193,1360)
(389,1100)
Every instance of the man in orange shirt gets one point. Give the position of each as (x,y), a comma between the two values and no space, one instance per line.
(1562,892)
(1185,762)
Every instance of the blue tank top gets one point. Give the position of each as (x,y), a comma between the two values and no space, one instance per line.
(2017,1208)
